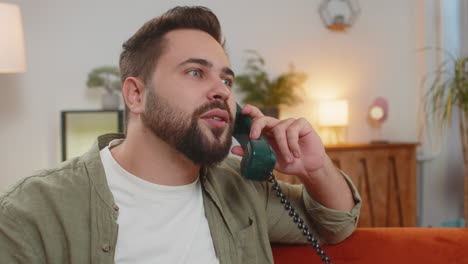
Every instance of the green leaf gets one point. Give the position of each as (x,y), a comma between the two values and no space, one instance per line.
(264,92)
(107,77)
(448,89)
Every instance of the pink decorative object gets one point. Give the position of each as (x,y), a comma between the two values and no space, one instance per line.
(378,111)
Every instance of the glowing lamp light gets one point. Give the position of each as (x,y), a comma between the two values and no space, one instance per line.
(333,119)
(333,113)
(12,57)
(378,111)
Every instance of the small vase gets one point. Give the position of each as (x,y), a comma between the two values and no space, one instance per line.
(110,101)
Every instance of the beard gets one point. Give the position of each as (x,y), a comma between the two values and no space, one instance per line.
(183,132)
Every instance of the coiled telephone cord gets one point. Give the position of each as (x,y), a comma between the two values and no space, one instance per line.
(297,219)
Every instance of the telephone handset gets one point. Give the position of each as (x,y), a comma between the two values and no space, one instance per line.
(257,164)
(259,158)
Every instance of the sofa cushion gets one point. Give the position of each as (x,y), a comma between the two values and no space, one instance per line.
(387,246)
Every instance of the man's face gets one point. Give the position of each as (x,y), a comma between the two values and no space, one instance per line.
(188,101)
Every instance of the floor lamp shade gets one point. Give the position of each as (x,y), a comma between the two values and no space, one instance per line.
(12,57)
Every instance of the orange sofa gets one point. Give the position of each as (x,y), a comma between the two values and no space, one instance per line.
(386,246)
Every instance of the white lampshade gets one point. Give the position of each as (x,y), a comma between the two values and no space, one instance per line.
(333,113)
(12,57)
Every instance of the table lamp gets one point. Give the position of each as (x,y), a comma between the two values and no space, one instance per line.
(333,120)
(12,56)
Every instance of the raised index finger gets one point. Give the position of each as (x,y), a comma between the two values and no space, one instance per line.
(260,123)
(251,111)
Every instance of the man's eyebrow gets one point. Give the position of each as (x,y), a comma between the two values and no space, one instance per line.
(228,71)
(208,64)
(202,62)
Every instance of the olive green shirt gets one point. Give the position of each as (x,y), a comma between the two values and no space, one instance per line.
(68,215)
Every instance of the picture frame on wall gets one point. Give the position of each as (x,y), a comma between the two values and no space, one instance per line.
(80,129)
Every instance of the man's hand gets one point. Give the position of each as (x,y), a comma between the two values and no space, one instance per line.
(300,152)
(298,148)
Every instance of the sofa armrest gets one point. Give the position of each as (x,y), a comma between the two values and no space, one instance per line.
(386,246)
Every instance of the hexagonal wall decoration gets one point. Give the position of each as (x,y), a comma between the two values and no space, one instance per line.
(338,15)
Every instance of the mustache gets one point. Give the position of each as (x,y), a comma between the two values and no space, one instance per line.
(212,105)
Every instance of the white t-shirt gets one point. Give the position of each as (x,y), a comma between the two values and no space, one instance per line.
(157,223)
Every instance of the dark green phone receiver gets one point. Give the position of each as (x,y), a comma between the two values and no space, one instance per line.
(259,158)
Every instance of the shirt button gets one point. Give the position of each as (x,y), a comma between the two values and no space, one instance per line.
(105,247)
(115,207)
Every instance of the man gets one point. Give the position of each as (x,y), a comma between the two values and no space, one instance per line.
(165,192)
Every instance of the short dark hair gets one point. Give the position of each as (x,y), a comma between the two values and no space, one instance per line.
(142,51)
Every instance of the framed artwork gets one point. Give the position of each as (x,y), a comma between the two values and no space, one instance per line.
(80,128)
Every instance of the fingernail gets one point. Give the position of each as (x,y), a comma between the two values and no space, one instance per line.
(296,154)
(253,134)
(288,159)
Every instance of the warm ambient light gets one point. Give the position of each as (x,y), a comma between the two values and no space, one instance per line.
(333,119)
(333,113)
(376,113)
(12,57)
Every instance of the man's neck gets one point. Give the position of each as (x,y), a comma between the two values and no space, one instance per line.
(148,157)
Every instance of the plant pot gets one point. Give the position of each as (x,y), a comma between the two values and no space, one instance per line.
(110,101)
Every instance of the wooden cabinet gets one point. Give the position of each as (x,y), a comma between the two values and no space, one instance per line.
(385,175)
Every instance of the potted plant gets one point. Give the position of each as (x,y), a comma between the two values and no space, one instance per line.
(109,78)
(449,90)
(265,93)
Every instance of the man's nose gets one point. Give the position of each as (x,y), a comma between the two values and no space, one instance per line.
(219,90)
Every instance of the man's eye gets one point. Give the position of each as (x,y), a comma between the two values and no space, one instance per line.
(194,73)
(227,82)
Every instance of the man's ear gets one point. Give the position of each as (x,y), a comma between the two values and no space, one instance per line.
(133,91)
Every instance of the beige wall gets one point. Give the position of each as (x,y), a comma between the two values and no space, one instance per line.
(65,39)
